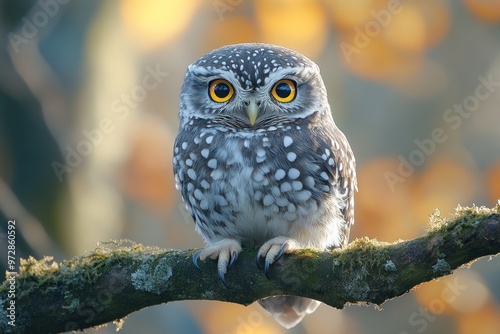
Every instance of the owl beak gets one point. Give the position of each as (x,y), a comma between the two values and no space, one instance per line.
(252,109)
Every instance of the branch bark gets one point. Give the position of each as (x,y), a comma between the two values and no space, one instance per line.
(115,280)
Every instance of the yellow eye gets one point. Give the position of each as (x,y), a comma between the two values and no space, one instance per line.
(220,90)
(284,91)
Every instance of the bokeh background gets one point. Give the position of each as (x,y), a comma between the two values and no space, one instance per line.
(88,114)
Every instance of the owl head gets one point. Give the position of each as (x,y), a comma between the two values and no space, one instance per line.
(251,86)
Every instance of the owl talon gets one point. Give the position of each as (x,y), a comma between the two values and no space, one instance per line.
(276,259)
(273,250)
(225,251)
(266,269)
(224,268)
(283,249)
(223,278)
(258,261)
(234,256)
(196,256)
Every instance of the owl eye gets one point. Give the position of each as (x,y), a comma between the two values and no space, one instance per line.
(220,90)
(284,91)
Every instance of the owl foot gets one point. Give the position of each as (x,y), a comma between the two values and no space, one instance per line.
(226,250)
(272,250)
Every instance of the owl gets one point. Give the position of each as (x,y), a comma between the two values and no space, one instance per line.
(260,162)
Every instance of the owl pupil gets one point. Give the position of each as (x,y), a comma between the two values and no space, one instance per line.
(283,90)
(221,90)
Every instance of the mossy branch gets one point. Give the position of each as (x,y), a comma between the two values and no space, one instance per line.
(115,280)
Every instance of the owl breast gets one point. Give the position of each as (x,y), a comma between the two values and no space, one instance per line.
(258,184)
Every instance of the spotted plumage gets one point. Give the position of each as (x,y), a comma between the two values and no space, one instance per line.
(260,162)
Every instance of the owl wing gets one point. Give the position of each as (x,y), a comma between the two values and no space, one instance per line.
(335,157)
(185,156)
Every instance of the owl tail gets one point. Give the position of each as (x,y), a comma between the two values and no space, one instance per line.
(289,310)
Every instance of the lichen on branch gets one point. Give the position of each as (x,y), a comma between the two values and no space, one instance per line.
(118,278)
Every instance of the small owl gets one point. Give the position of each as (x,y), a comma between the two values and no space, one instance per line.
(260,162)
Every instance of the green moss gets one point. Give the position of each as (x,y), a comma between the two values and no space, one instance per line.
(366,252)
(78,272)
(33,267)
(463,218)
(363,256)
(306,252)
(461,222)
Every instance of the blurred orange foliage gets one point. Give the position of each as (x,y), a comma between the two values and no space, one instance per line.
(152,23)
(461,293)
(386,40)
(380,212)
(300,25)
(444,183)
(403,213)
(485,10)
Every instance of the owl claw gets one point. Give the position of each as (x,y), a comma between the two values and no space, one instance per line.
(266,269)
(225,251)
(258,261)
(196,256)
(273,250)
(276,259)
(223,278)
(222,271)
(283,250)
(224,268)
(234,256)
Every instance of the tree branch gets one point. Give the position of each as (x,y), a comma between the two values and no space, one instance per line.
(115,280)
